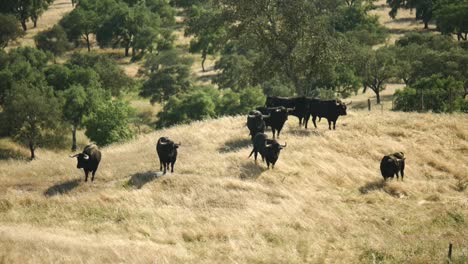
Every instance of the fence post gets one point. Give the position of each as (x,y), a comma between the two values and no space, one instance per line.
(449,257)
(368,104)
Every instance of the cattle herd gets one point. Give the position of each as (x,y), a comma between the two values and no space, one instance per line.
(274,115)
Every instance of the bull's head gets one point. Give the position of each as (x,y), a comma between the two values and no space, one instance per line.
(341,107)
(82,158)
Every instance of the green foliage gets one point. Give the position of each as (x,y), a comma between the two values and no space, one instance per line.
(358,25)
(236,72)
(434,93)
(108,123)
(453,19)
(377,68)
(134,27)
(111,77)
(58,76)
(166,82)
(81,23)
(10,29)
(207,27)
(32,113)
(164,58)
(53,40)
(207,102)
(36,58)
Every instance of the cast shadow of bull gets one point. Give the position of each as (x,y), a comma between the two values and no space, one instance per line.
(62,188)
(251,171)
(138,180)
(234,145)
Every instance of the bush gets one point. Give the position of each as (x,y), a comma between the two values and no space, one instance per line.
(207,102)
(109,123)
(433,93)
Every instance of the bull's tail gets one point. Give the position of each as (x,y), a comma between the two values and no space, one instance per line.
(253,150)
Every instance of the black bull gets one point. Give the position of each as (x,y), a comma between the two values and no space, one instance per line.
(304,107)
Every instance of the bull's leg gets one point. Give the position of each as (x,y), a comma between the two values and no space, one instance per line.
(314,119)
(268,164)
(300,121)
(172,166)
(334,125)
(255,156)
(160,165)
(272,165)
(402,169)
(92,178)
(329,124)
(86,175)
(277,133)
(164,166)
(273,131)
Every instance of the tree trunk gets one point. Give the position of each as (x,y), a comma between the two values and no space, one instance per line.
(31,148)
(127,48)
(87,43)
(34,19)
(74,147)
(426,24)
(23,24)
(203,60)
(377,93)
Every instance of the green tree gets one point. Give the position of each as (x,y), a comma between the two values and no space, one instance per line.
(434,93)
(453,19)
(184,108)
(32,113)
(109,123)
(378,68)
(207,27)
(165,58)
(130,28)
(294,40)
(58,76)
(10,29)
(25,9)
(53,40)
(110,75)
(166,82)
(81,23)
(79,102)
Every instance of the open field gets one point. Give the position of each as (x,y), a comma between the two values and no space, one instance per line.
(324,202)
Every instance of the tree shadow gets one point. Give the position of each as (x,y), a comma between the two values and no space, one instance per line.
(251,170)
(62,188)
(139,179)
(234,145)
(372,186)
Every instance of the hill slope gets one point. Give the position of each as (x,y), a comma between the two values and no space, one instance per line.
(324,201)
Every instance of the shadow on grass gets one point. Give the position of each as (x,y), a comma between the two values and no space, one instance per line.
(372,186)
(251,170)
(234,145)
(139,179)
(392,189)
(302,132)
(62,188)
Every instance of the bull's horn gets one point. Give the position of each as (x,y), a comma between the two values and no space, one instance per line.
(266,116)
(252,116)
(163,142)
(267,145)
(285,144)
(74,156)
(349,103)
(85,156)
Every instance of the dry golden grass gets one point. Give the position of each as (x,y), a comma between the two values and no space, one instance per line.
(324,201)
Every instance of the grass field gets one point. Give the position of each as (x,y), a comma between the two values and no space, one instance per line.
(324,202)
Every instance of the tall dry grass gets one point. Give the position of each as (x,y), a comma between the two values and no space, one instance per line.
(324,202)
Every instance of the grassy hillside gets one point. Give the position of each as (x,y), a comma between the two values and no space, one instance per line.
(324,202)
